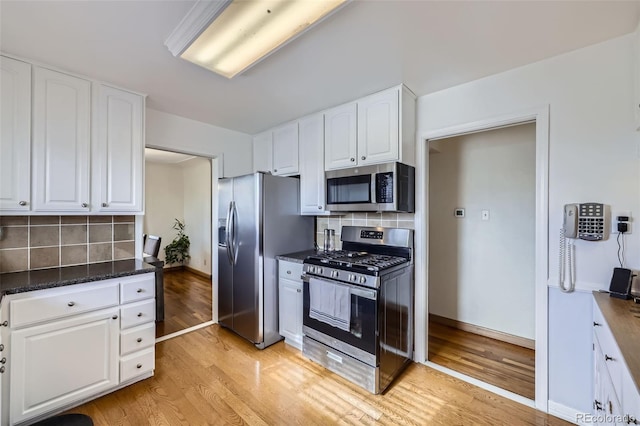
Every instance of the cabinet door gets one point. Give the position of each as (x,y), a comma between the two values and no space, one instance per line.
(118,157)
(630,399)
(263,152)
(61,140)
(378,127)
(15,135)
(340,137)
(285,149)
(312,183)
(62,362)
(291,311)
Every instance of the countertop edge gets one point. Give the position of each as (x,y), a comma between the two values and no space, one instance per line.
(94,272)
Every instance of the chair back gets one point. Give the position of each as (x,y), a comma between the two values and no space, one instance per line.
(152,245)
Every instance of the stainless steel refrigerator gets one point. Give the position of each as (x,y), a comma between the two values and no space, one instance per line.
(258,219)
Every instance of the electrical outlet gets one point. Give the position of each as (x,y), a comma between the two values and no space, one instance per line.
(614,221)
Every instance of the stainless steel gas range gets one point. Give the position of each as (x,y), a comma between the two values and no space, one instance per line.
(358,306)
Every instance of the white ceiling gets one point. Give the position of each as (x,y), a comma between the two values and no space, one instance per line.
(367,46)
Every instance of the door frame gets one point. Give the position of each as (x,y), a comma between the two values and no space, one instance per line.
(540,116)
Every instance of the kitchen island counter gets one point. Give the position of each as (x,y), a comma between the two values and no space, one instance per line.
(19,282)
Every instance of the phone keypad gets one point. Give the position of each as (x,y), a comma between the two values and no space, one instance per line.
(591,222)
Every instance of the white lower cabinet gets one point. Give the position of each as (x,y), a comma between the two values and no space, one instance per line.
(290,302)
(66,345)
(63,361)
(616,398)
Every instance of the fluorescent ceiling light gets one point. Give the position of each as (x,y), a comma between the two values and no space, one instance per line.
(229,36)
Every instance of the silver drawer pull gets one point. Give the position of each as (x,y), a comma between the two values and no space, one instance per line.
(139,314)
(139,290)
(3,360)
(608,358)
(597,324)
(114,317)
(139,339)
(289,272)
(298,290)
(71,304)
(139,366)
(22,203)
(334,357)
(2,369)
(105,205)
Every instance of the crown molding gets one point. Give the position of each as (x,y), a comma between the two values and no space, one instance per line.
(193,24)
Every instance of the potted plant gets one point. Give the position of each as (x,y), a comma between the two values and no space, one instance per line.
(177,251)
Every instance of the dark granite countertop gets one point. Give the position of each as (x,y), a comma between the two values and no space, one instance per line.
(298,256)
(19,282)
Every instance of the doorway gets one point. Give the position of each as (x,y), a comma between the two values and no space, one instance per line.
(179,187)
(482,199)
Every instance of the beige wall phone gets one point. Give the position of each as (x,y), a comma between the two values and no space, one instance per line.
(586,221)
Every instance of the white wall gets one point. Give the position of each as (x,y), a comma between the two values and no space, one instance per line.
(593,156)
(174,133)
(197,211)
(482,272)
(164,201)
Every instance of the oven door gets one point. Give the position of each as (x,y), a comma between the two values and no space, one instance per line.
(363,325)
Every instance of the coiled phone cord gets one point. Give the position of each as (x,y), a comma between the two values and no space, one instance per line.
(565,254)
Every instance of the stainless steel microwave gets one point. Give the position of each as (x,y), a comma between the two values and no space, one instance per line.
(388,187)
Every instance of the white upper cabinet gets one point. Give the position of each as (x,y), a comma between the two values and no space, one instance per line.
(262,152)
(15,135)
(118,151)
(376,129)
(285,149)
(312,183)
(340,137)
(68,144)
(378,123)
(61,141)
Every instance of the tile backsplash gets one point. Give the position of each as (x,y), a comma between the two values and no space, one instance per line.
(388,220)
(35,242)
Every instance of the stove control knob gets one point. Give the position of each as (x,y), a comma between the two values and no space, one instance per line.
(334,274)
(320,270)
(362,280)
(353,278)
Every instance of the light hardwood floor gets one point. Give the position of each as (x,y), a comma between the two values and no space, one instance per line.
(213,377)
(187,301)
(499,363)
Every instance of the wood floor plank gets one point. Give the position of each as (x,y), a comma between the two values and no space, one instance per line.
(187,301)
(213,377)
(502,364)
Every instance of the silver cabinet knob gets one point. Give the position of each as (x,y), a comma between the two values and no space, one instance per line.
(2,369)
(289,272)
(3,360)
(1,347)
(23,203)
(71,304)
(139,290)
(139,339)
(114,317)
(139,314)
(105,205)
(139,366)
(298,290)
(352,159)
(319,207)
(275,170)
(85,205)
(363,158)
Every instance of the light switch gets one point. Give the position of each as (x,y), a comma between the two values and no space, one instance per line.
(485,214)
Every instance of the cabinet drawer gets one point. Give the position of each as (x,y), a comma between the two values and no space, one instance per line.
(289,270)
(138,287)
(137,313)
(135,339)
(610,353)
(136,364)
(46,305)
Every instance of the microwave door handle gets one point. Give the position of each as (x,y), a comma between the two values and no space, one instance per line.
(373,189)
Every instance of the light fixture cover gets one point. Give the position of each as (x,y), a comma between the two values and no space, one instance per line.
(229,36)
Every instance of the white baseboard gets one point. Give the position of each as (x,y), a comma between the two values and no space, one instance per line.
(566,413)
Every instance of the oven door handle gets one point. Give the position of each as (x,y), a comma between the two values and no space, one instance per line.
(358,291)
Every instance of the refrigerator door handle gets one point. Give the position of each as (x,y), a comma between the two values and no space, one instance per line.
(228,233)
(234,238)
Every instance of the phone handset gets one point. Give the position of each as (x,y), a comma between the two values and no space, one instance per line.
(587,221)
